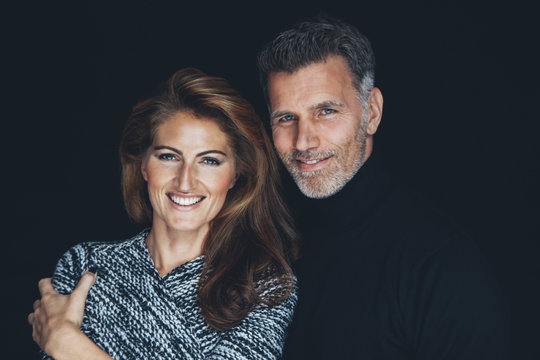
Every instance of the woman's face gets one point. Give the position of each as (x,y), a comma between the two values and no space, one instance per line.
(189,169)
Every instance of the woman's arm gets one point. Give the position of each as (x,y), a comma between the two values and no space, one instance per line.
(261,335)
(56,322)
(57,318)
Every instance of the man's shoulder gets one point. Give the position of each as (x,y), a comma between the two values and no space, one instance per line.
(407,219)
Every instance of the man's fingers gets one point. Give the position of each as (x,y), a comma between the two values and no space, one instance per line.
(45,286)
(80,292)
(31,318)
(36,304)
(35,335)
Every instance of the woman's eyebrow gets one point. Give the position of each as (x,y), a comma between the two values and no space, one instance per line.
(161,147)
(202,153)
(210,152)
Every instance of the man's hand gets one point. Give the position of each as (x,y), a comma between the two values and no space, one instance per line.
(58,317)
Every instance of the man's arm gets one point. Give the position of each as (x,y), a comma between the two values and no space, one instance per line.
(455,309)
(56,322)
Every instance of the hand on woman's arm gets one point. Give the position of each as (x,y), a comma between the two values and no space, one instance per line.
(56,322)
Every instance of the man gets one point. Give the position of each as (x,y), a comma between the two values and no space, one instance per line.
(383,275)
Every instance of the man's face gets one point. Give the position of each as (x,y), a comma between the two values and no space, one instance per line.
(320,129)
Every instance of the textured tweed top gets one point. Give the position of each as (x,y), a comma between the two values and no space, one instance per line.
(134,313)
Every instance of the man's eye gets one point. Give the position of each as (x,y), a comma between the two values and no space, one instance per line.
(286,118)
(166,157)
(328,111)
(211,161)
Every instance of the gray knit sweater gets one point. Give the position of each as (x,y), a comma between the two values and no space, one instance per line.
(134,313)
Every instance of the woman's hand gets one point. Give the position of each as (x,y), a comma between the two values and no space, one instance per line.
(57,318)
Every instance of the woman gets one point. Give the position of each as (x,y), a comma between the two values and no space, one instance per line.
(211,277)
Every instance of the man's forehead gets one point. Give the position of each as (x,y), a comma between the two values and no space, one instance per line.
(313,86)
(331,59)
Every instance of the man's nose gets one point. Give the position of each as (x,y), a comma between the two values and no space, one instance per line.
(307,136)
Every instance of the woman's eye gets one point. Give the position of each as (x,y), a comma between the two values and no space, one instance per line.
(167,156)
(211,161)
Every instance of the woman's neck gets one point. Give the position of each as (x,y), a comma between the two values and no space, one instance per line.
(171,248)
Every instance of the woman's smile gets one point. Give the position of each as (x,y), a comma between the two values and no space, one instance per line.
(185,200)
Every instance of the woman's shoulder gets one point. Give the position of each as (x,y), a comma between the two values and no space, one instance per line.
(103,247)
(89,255)
(80,256)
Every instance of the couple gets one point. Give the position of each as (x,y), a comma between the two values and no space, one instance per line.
(381,275)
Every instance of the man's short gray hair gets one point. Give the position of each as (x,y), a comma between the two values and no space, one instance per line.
(313,41)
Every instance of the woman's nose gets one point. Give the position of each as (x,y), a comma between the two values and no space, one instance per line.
(186,178)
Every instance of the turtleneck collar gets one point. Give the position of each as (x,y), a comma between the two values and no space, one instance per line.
(351,206)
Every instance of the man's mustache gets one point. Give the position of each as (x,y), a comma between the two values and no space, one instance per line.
(310,154)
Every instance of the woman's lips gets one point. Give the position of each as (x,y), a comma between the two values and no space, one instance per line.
(185,201)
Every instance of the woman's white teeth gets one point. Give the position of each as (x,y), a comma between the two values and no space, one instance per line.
(186,201)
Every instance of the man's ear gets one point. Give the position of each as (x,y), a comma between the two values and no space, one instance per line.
(375,108)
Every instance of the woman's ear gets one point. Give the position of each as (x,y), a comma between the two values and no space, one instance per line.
(144,170)
(233,181)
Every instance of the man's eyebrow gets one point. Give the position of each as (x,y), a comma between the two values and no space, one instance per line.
(326,104)
(321,105)
(279,113)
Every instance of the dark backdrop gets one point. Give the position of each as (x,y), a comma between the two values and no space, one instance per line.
(460,84)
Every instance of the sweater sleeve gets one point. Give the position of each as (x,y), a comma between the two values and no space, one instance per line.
(67,273)
(261,335)
(70,268)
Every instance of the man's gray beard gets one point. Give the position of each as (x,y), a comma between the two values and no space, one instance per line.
(320,184)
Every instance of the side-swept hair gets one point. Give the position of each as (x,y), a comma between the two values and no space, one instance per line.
(312,41)
(252,238)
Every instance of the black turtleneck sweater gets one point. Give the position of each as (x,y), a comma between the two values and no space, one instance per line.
(385,276)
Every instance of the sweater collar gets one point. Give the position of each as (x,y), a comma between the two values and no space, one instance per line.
(177,274)
(351,206)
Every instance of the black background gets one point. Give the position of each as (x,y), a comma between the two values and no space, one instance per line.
(459,79)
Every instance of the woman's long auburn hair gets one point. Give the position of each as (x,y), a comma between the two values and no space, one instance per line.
(252,239)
